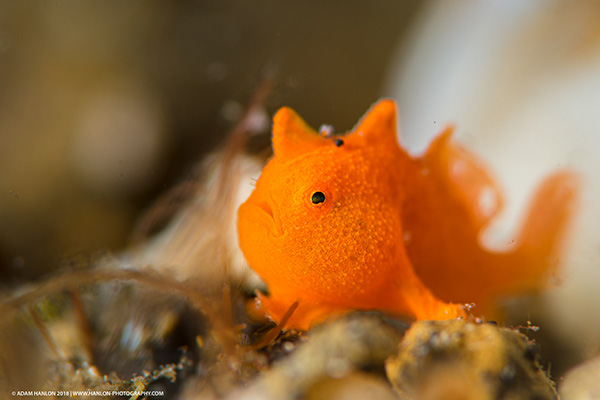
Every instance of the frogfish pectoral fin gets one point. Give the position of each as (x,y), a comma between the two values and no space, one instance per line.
(419,302)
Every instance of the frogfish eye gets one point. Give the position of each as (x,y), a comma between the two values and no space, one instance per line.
(317,197)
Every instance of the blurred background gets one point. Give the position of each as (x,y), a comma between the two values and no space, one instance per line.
(103,106)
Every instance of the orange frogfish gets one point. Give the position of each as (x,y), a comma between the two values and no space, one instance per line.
(354,222)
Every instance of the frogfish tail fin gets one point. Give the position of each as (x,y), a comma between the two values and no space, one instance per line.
(546,227)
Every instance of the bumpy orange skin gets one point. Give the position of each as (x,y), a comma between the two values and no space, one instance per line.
(395,233)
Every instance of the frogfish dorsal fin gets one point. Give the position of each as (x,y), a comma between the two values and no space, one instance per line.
(377,126)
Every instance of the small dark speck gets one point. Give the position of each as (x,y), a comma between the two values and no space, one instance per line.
(14,194)
(492,322)
(531,352)
(338,142)
(508,374)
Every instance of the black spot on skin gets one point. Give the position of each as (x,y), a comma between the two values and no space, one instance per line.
(531,352)
(338,142)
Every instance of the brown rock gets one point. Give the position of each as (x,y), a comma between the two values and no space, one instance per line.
(462,360)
